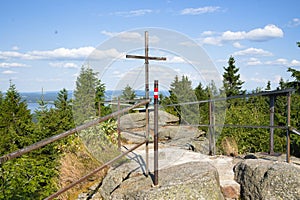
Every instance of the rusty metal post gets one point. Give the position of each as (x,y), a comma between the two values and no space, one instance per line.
(119,131)
(288,140)
(147,105)
(211,129)
(155,132)
(272,104)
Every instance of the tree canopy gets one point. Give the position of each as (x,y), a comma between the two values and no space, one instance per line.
(128,93)
(231,79)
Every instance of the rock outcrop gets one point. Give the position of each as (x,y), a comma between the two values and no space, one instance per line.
(193,180)
(133,131)
(137,120)
(265,180)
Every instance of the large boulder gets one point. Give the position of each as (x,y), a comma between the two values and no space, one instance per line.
(264,179)
(193,180)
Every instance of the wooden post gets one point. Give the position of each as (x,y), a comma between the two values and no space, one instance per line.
(146,58)
(147,97)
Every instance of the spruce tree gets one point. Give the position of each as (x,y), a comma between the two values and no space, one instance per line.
(231,79)
(268,87)
(63,110)
(202,94)
(128,93)
(181,91)
(100,98)
(30,176)
(84,96)
(16,121)
(296,75)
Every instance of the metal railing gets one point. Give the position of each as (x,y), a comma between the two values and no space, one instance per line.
(57,137)
(272,95)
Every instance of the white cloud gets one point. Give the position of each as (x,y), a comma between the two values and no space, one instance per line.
(109,53)
(217,41)
(294,23)
(229,35)
(252,51)
(201,10)
(269,32)
(63,65)
(130,36)
(208,33)
(253,62)
(62,53)
(280,61)
(9,72)
(175,59)
(10,54)
(262,34)
(15,48)
(59,54)
(283,62)
(9,65)
(133,13)
(237,45)
(295,63)
(124,35)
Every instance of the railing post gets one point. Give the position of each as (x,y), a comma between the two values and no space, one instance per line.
(272,103)
(288,141)
(155,132)
(211,128)
(119,131)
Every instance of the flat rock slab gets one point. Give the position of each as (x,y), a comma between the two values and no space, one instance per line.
(179,170)
(193,180)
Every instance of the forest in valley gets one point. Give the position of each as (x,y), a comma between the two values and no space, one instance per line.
(35,175)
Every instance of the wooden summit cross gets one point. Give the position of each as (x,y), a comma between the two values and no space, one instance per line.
(146,57)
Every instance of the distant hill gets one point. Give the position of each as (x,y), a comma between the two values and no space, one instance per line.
(50,96)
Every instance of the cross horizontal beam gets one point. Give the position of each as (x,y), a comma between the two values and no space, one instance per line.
(144,57)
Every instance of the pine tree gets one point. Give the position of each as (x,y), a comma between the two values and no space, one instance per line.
(85,94)
(100,98)
(282,84)
(128,93)
(296,75)
(231,80)
(16,121)
(202,94)
(29,176)
(181,92)
(268,87)
(63,110)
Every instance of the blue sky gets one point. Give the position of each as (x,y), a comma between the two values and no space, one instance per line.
(43,44)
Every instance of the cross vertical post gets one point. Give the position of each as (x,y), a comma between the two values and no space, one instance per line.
(147,97)
(146,58)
